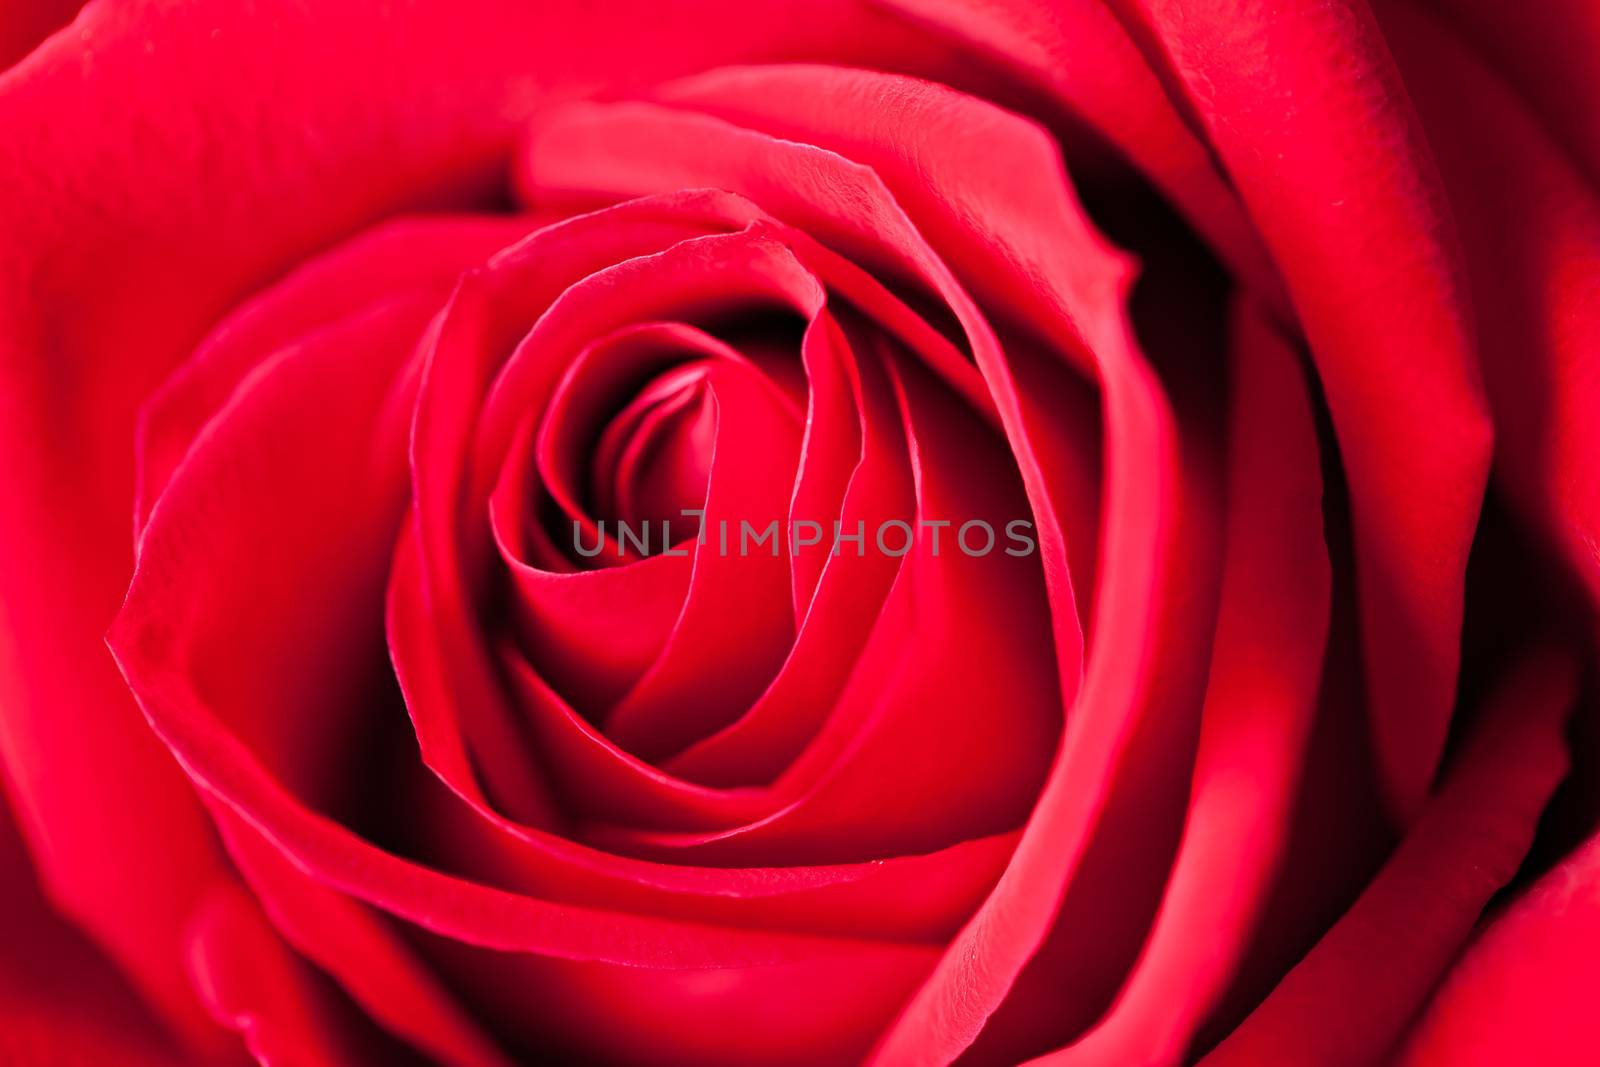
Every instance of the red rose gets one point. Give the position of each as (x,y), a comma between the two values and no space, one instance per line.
(898,533)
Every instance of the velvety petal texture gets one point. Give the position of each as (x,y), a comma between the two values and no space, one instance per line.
(866,532)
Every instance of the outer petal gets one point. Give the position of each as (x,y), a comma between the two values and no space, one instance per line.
(1532,229)
(1522,993)
(1530,225)
(1282,91)
(1257,718)
(412,260)
(352,944)
(253,984)
(1381,959)
(1546,52)
(61,1001)
(1077,51)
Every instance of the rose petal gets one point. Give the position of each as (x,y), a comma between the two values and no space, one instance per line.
(1081,55)
(796,1013)
(919,899)
(347,941)
(1381,959)
(1515,996)
(415,260)
(1519,993)
(61,1001)
(1260,698)
(1281,97)
(598,630)
(324,660)
(29,22)
(848,598)
(253,984)
(1530,225)
(1543,53)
